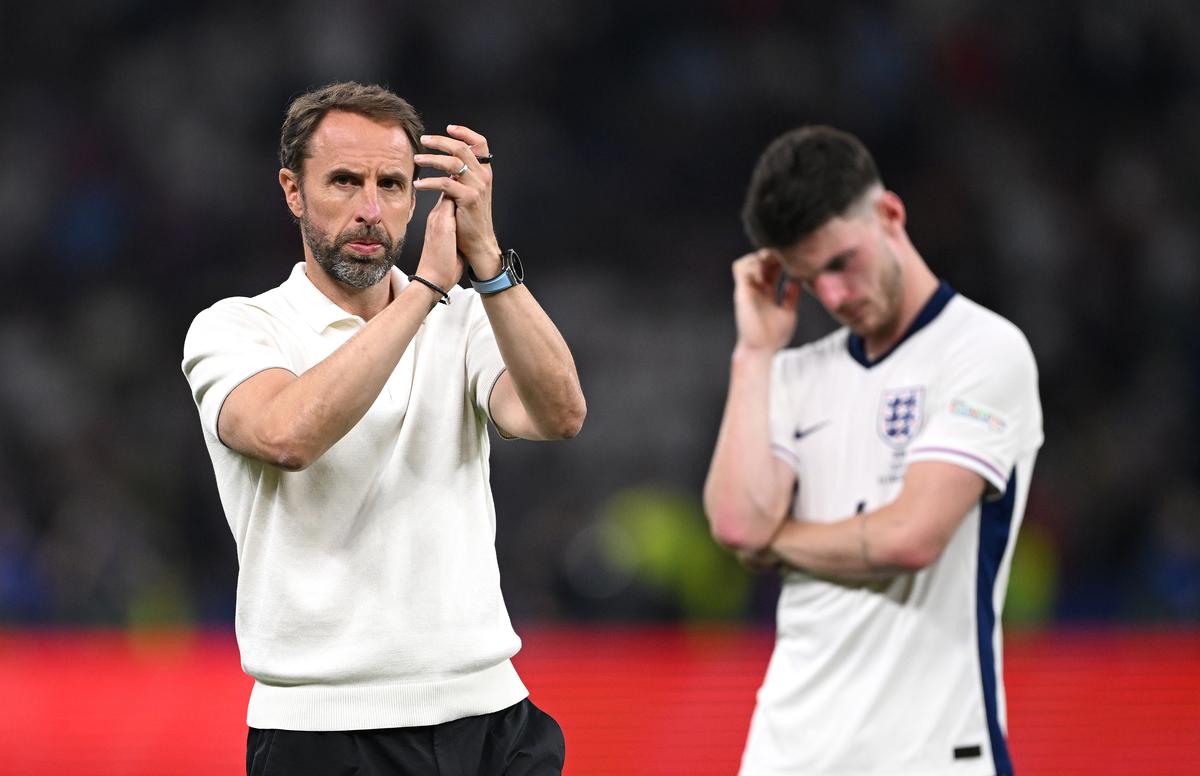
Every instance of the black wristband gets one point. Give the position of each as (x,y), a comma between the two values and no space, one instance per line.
(445,296)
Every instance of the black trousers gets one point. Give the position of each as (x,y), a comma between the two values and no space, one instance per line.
(521,740)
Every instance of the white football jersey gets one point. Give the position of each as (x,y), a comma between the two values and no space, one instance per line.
(900,676)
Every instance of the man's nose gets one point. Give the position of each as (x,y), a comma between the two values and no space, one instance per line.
(829,290)
(368,211)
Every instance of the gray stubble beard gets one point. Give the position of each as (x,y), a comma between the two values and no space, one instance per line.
(353,271)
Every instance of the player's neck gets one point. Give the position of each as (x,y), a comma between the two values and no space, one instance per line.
(919,285)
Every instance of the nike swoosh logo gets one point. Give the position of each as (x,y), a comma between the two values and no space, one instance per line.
(803,432)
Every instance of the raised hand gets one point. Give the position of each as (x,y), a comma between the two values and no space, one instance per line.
(440,262)
(765,319)
(469,185)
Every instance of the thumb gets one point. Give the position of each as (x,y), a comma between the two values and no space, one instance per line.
(442,214)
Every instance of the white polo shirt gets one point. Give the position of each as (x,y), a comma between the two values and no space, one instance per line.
(368,590)
(901,676)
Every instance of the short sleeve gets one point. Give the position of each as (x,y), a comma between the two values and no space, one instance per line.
(781,417)
(484,363)
(987,412)
(226,345)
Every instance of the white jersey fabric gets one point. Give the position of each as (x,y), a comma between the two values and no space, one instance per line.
(900,677)
(368,589)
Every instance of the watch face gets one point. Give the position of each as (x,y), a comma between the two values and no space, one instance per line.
(514,262)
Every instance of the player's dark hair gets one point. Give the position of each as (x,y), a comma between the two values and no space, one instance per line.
(804,178)
(305,112)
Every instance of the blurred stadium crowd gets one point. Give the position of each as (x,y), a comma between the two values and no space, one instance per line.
(1049,155)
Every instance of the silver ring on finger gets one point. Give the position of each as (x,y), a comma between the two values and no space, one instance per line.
(460,172)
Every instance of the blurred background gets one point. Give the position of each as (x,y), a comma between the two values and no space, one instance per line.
(1048,153)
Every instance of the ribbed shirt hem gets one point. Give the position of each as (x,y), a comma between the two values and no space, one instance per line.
(384,705)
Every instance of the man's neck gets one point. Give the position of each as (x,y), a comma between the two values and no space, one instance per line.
(366,303)
(919,286)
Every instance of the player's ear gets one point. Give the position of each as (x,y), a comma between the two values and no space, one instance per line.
(290,183)
(890,209)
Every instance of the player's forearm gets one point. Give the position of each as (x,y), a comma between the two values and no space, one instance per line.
(310,414)
(905,535)
(742,497)
(870,545)
(538,362)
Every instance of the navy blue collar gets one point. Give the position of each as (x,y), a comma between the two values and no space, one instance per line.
(858,348)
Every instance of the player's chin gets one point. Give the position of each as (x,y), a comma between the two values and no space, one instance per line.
(356,259)
(857,324)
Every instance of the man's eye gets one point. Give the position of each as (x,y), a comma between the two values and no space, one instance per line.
(389,183)
(342,180)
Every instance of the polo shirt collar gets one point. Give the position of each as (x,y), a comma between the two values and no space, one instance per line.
(318,310)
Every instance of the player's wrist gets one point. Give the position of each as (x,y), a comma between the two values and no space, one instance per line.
(437,277)
(436,293)
(484,259)
(752,352)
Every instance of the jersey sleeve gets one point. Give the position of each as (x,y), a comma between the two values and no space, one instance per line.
(484,363)
(226,345)
(781,416)
(987,412)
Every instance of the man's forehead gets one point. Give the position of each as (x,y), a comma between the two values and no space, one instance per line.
(352,136)
(812,251)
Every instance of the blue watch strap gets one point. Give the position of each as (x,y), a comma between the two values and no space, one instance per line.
(512,273)
(499,283)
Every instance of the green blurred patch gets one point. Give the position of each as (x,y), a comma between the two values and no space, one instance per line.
(1033,584)
(662,539)
(163,603)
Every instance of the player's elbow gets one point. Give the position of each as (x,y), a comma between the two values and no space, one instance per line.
(284,448)
(724,519)
(733,529)
(561,418)
(570,421)
(736,520)
(291,462)
(732,536)
(565,424)
(292,459)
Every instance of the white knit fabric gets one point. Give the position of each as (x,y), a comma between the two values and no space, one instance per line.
(368,591)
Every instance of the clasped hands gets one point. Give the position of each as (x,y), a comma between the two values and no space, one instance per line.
(460,225)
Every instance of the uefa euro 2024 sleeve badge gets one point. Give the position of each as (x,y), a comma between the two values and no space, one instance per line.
(900,415)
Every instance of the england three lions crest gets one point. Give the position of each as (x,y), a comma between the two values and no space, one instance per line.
(900,415)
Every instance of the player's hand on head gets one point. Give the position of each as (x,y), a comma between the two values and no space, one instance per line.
(764,301)
(440,261)
(468,182)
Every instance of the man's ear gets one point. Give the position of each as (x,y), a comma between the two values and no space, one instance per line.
(890,209)
(290,183)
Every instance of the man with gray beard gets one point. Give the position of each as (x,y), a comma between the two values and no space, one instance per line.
(346,415)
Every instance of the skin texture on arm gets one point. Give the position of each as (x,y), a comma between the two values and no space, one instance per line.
(747,491)
(904,536)
(290,421)
(539,395)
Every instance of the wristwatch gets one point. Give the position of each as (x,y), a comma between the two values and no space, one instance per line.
(512,273)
